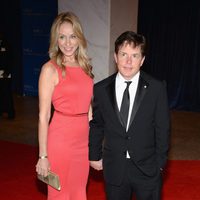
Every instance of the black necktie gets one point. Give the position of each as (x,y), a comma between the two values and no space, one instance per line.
(124,110)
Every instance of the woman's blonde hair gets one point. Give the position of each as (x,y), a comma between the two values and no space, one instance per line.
(81,53)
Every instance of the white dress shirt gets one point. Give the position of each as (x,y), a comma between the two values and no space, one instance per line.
(120,86)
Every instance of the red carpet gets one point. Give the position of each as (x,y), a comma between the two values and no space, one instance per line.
(18,180)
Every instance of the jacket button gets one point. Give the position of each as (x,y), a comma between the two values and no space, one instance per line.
(128,137)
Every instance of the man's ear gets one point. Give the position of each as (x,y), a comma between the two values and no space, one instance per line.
(142,61)
(115,57)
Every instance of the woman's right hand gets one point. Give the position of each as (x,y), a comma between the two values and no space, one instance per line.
(43,166)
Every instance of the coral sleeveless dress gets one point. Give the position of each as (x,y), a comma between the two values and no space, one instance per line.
(68,134)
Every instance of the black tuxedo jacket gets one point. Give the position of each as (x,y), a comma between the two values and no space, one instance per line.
(147,138)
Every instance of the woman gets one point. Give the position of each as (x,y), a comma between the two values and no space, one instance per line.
(66,81)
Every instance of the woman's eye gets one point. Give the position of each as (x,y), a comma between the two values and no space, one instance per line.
(73,36)
(61,36)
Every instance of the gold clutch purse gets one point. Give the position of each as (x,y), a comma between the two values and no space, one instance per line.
(52,179)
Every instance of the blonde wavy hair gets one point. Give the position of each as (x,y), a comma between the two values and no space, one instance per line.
(81,52)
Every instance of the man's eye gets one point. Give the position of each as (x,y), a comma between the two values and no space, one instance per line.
(136,55)
(122,54)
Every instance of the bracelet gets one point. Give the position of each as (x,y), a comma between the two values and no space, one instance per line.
(43,157)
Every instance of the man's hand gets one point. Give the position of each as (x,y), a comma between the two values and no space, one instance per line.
(96,164)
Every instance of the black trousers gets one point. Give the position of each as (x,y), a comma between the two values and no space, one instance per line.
(136,184)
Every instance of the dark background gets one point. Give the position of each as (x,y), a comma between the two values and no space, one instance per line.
(10,25)
(172,30)
(26,25)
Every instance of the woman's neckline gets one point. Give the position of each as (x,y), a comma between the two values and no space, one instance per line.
(72,67)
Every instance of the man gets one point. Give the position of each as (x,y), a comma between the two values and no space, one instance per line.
(129,132)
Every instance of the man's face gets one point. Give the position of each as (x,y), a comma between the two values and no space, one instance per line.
(129,60)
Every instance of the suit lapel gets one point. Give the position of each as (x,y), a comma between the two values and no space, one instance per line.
(112,97)
(141,90)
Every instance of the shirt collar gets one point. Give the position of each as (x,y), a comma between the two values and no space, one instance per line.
(120,79)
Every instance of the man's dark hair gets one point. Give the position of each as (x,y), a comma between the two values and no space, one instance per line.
(131,37)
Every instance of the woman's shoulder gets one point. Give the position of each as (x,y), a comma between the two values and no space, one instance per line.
(49,67)
(49,73)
